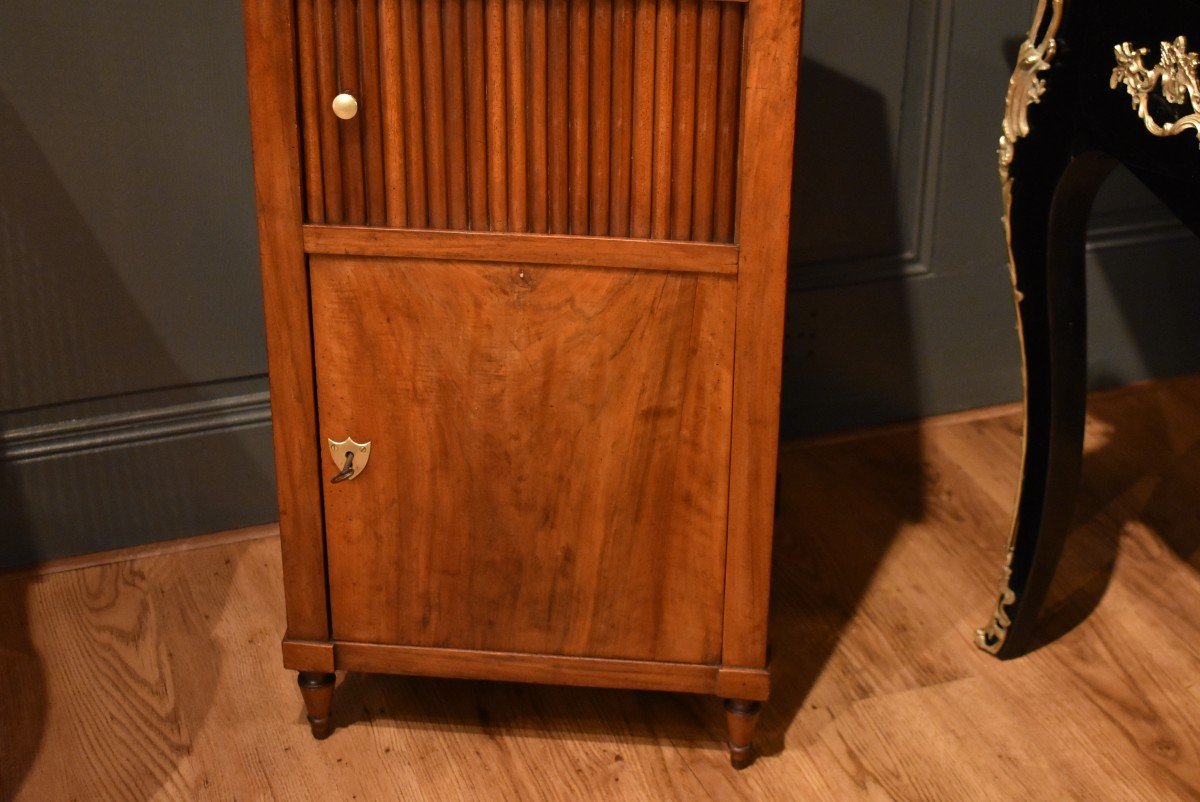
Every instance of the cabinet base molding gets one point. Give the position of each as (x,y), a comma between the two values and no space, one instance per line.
(548,669)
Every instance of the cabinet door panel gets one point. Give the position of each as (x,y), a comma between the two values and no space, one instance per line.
(549,465)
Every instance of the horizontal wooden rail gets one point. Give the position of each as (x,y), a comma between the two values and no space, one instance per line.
(536,668)
(552,249)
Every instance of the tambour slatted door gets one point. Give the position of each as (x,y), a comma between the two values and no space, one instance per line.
(524,271)
(605,118)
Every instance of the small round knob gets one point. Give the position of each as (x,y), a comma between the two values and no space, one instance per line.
(345,106)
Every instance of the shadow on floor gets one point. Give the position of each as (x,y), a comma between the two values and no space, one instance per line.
(1143,471)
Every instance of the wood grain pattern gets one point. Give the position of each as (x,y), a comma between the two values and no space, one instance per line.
(880,694)
(559,116)
(584,559)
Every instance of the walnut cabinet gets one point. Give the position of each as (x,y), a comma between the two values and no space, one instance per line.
(524,273)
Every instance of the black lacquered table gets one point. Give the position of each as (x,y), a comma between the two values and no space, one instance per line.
(1097,83)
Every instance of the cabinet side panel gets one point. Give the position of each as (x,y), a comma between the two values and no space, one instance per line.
(271,68)
(772,55)
(548,471)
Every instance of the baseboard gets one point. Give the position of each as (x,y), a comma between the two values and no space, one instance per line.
(124,479)
(136,426)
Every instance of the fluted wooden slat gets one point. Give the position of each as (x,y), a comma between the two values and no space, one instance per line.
(414,113)
(477,148)
(372,111)
(600,119)
(393,120)
(622,100)
(683,137)
(557,115)
(331,149)
(643,118)
(457,215)
(514,25)
(579,132)
(496,115)
(708,54)
(664,103)
(314,187)
(728,117)
(593,117)
(346,25)
(535,55)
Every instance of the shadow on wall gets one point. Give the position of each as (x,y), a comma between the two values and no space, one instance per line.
(65,307)
(817,584)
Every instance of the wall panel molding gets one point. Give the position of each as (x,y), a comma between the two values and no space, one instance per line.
(906,122)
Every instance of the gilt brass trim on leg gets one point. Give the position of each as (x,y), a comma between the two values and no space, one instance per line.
(1025,87)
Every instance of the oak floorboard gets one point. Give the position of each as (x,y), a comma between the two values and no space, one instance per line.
(159,676)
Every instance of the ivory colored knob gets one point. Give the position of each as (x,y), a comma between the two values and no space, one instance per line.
(345,106)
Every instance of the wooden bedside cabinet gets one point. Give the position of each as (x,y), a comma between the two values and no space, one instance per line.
(524,270)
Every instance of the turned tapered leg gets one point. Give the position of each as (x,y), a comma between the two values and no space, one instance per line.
(741,717)
(317,690)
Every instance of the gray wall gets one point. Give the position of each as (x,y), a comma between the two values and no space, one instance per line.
(132,388)
(132,398)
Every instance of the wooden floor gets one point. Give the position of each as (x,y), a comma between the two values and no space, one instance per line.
(159,676)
